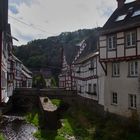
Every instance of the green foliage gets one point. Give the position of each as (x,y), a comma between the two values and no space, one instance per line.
(33,117)
(2,137)
(56,102)
(39,81)
(83,124)
(44,53)
(53,82)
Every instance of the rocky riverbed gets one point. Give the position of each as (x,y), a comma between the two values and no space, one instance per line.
(16,128)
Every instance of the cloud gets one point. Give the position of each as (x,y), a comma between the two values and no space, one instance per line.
(51,17)
(19,2)
(13,9)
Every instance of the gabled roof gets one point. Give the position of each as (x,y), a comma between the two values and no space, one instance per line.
(123,19)
(70,53)
(87,57)
(91,46)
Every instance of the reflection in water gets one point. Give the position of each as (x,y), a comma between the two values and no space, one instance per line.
(15,128)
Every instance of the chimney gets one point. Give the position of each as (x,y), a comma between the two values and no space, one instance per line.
(120,3)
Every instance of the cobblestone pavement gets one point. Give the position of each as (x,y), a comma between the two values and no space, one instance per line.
(15,128)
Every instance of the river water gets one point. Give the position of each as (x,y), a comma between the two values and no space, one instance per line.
(16,128)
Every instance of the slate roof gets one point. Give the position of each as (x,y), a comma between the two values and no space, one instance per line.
(91,46)
(87,57)
(128,22)
(70,53)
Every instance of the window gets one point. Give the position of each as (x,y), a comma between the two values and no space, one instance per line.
(122,17)
(94,89)
(79,70)
(115,69)
(3,79)
(136,13)
(133,68)
(114,98)
(89,88)
(131,39)
(92,65)
(111,42)
(132,101)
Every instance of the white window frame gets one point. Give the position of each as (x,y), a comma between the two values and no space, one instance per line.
(111,42)
(133,68)
(114,98)
(115,69)
(130,39)
(132,101)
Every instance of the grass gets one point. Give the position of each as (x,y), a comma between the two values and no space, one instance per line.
(82,124)
(33,117)
(56,102)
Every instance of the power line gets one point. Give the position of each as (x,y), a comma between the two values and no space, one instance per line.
(30,25)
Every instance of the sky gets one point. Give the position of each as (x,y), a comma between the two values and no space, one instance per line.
(37,19)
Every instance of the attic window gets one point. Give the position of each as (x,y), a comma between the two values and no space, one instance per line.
(131,8)
(136,13)
(122,17)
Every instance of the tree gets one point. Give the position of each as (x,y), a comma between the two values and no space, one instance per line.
(39,81)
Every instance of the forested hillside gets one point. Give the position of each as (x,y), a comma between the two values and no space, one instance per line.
(47,53)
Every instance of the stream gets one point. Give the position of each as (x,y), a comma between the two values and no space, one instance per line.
(16,128)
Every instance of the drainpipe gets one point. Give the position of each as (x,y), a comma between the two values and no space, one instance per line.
(0,64)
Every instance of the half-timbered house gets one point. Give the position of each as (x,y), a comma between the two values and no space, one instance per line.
(88,73)
(65,78)
(120,58)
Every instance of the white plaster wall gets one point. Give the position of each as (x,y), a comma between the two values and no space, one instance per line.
(103,53)
(120,50)
(120,34)
(138,33)
(138,47)
(120,41)
(111,54)
(101,83)
(124,86)
(102,38)
(131,52)
(103,43)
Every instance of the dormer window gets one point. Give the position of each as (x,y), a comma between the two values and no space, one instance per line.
(130,39)
(136,13)
(111,42)
(122,17)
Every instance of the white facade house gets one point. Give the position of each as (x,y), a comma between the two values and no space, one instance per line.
(89,77)
(87,71)
(120,58)
(6,84)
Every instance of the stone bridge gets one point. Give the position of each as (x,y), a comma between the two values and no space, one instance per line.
(29,97)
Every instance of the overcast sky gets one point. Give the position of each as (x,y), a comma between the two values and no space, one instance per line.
(34,19)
